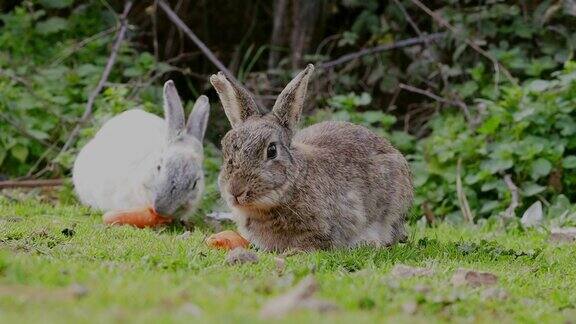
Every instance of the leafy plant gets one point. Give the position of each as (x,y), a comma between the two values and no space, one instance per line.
(527,133)
(48,66)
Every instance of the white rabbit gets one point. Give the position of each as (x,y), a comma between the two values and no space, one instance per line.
(138,159)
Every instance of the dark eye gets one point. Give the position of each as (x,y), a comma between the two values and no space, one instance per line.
(158,168)
(271,151)
(194,184)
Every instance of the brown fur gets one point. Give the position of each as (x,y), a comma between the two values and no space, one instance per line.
(333,184)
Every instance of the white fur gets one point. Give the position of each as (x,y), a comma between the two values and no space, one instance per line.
(113,171)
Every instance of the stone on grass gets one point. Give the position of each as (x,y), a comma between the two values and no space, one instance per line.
(405,271)
(563,235)
(241,255)
(300,297)
(473,278)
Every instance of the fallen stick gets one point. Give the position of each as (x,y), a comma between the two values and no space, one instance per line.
(31,183)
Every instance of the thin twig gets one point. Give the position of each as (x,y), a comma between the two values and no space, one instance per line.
(22,130)
(462,200)
(440,20)
(111,60)
(83,43)
(436,97)
(154,18)
(17,79)
(515,197)
(407,17)
(382,48)
(31,183)
(182,26)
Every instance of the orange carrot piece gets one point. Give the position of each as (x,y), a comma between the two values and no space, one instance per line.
(227,240)
(140,217)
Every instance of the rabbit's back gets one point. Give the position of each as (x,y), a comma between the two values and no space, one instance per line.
(107,173)
(344,138)
(367,177)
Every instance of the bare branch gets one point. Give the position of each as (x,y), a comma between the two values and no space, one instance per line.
(435,97)
(515,197)
(182,26)
(462,200)
(109,64)
(22,130)
(382,48)
(31,183)
(277,29)
(407,17)
(440,20)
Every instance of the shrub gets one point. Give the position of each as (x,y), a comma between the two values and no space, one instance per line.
(528,133)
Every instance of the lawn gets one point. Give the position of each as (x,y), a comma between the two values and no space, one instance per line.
(60,264)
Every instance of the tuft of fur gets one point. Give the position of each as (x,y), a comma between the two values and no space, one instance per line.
(331,185)
(138,159)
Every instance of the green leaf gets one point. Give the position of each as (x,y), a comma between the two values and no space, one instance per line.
(2,156)
(19,152)
(540,168)
(496,165)
(531,189)
(569,162)
(51,25)
(490,125)
(58,4)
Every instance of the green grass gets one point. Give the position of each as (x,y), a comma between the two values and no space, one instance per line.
(150,276)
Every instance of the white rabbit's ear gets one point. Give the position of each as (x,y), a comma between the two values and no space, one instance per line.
(288,105)
(238,103)
(198,119)
(173,110)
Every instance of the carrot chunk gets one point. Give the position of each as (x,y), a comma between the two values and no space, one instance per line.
(139,217)
(227,240)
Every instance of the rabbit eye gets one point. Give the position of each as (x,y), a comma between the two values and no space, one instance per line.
(194,184)
(158,167)
(271,152)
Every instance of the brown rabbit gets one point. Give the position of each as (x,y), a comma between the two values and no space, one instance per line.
(333,184)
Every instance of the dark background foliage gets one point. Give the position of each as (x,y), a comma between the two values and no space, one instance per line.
(495,94)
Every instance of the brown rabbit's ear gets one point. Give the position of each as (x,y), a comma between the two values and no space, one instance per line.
(198,119)
(288,105)
(173,111)
(238,103)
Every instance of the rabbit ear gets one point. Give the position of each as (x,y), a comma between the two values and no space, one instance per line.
(198,119)
(173,110)
(238,103)
(288,105)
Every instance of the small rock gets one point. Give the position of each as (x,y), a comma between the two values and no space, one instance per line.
(404,271)
(318,305)
(220,216)
(410,308)
(280,264)
(533,216)
(422,289)
(494,293)
(68,232)
(563,235)
(240,256)
(473,278)
(191,309)
(78,291)
(300,297)
(184,236)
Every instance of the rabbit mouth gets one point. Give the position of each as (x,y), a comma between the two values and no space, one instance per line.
(262,201)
